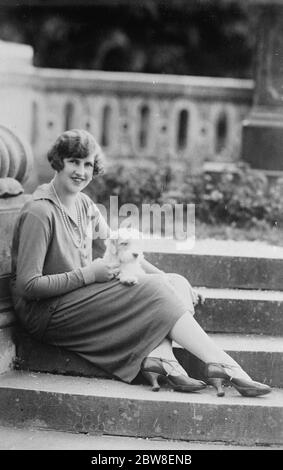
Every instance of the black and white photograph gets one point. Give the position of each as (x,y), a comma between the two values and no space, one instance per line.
(141,230)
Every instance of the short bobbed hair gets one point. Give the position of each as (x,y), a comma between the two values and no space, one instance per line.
(76,143)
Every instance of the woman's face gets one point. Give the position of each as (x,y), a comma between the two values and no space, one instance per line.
(76,174)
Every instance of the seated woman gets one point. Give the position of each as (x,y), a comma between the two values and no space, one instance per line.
(65,298)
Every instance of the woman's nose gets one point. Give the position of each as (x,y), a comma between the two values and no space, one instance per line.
(80,169)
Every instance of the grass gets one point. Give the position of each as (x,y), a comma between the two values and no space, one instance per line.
(262,233)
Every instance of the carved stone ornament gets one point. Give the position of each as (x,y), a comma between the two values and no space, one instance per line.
(16,161)
(10,187)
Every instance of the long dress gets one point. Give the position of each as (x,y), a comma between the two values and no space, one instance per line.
(111,325)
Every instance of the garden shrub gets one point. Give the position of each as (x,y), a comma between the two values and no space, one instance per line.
(242,198)
(135,184)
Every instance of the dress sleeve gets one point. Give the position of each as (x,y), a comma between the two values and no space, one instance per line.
(35,235)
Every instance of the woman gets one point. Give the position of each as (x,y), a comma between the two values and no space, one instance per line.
(64,297)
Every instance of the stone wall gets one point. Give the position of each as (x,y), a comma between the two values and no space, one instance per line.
(15,167)
(9,209)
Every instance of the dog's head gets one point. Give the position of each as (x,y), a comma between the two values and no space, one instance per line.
(124,245)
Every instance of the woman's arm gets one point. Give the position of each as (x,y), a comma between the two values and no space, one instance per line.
(34,238)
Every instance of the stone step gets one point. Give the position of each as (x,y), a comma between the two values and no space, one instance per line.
(224,272)
(241,311)
(260,356)
(104,407)
(13,438)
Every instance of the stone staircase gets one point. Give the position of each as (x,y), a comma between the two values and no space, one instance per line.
(56,390)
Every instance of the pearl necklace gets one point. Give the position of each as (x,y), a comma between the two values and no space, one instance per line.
(79,241)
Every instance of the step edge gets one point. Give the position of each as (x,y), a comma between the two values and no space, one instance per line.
(114,389)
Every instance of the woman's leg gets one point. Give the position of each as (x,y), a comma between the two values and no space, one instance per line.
(183,289)
(189,334)
(164,351)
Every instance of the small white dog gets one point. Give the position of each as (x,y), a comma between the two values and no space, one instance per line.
(124,247)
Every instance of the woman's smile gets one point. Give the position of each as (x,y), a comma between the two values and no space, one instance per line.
(78,180)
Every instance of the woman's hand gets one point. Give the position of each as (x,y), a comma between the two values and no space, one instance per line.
(103,271)
(99,271)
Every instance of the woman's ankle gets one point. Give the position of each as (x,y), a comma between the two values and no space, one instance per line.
(171,364)
(236,369)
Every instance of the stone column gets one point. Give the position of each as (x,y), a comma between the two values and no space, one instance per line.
(16,94)
(16,71)
(15,166)
(262,144)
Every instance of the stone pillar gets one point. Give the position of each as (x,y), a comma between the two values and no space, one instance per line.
(262,145)
(16,94)
(15,166)
(16,71)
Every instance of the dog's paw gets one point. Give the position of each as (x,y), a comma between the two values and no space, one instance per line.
(128,281)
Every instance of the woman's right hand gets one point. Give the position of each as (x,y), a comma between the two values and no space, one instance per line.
(103,271)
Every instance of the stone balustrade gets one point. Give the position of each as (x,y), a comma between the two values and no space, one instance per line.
(172,118)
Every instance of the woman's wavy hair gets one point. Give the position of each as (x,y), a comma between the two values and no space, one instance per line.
(76,143)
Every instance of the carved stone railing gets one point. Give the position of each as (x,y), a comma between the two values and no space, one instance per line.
(15,167)
(171,118)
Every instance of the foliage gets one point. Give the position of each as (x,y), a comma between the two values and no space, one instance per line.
(204,37)
(242,198)
(135,184)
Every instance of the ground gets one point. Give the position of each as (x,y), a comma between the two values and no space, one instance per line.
(264,233)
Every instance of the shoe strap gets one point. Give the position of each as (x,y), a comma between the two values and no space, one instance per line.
(174,368)
(225,367)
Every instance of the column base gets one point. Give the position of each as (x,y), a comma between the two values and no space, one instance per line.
(262,141)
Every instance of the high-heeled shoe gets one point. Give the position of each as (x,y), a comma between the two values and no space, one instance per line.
(218,385)
(154,368)
(246,387)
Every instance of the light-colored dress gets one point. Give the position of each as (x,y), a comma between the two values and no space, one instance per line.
(111,325)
